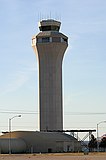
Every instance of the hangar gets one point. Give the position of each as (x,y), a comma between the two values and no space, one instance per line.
(38,142)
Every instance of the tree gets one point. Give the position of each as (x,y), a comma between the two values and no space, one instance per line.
(92,143)
(103,142)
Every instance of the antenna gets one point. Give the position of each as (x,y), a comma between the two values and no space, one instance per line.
(56,16)
(47,16)
(50,14)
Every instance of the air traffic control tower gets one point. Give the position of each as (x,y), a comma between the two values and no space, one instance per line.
(49,46)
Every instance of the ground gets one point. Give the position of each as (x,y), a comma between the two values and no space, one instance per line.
(70,156)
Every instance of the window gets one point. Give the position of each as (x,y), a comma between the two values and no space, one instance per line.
(56,39)
(45,39)
(39,40)
(63,39)
(49,28)
(51,39)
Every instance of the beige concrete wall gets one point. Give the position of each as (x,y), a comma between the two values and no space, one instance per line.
(50,56)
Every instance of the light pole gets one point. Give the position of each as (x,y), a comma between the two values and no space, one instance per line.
(10,131)
(98,134)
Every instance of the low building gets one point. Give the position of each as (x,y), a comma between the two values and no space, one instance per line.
(38,142)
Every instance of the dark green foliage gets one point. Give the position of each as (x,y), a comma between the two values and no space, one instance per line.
(92,143)
(103,143)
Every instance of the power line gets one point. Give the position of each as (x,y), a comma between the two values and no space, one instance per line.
(85,113)
(18,112)
(65,113)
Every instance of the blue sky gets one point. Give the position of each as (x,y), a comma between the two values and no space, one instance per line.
(84,65)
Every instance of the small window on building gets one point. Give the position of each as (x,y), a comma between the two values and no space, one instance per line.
(45,28)
(45,39)
(65,40)
(54,28)
(49,28)
(56,39)
(39,40)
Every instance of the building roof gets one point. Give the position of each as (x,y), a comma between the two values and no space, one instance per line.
(49,22)
(35,136)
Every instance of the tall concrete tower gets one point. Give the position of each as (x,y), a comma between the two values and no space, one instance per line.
(49,46)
